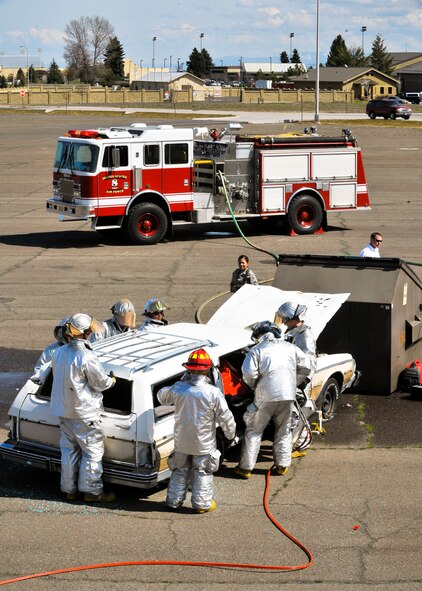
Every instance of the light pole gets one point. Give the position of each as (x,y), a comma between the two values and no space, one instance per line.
(363,31)
(201,36)
(316,116)
(154,39)
(23,50)
(178,64)
(291,40)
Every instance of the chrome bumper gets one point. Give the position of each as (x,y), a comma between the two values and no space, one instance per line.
(69,209)
(137,478)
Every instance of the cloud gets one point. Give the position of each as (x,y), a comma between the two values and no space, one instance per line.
(47,36)
(273,15)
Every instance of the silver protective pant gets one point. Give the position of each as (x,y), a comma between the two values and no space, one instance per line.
(82,450)
(256,421)
(194,471)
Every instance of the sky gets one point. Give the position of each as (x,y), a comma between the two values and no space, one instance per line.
(233,30)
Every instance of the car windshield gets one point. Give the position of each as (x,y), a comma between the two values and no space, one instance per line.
(76,156)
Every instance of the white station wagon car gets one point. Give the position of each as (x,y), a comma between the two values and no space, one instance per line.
(139,431)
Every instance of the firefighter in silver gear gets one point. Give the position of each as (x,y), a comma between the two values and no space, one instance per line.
(48,353)
(271,369)
(76,398)
(154,314)
(292,315)
(124,318)
(199,406)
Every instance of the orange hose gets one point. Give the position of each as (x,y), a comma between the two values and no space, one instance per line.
(188,562)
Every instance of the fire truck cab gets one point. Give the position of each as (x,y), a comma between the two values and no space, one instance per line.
(143,179)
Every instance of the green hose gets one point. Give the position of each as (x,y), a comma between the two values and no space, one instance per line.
(223,182)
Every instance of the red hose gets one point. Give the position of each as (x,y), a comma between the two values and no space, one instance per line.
(188,562)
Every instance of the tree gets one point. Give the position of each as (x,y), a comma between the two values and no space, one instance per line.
(295,59)
(113,60)
(86,40)
(20,79)
(295,70)
(338,54)
(33,74)
(199,63)
(357,58)
(380,59)
(54,75)
(284,58)
(3,81)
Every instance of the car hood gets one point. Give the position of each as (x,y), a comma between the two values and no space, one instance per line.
(253,303)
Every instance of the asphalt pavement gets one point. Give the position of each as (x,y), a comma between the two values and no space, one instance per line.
(354,500)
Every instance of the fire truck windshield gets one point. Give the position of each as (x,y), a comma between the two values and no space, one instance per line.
(76,156)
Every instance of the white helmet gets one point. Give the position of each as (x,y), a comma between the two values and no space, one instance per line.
(288,311)
(78,324)
(154,305)
(124,313)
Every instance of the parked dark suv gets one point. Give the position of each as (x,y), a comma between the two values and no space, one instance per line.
(389,108)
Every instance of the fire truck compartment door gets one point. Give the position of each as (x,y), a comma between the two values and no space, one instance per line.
(343,195)
(280,166)
(273,198)
(334,165)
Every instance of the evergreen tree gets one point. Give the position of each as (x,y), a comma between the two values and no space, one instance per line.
(284,58)
(295,70)
(33,74)
(295,59)
(357,57)
(199,63)
(338,55)
(3,81)
(20,76)
(54,75)
(380,59)
(113,59)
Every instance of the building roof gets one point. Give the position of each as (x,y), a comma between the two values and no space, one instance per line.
(267,68)
(404,56)
(167,77)
(339,74)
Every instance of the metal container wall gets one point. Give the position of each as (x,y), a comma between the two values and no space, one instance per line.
(380,324)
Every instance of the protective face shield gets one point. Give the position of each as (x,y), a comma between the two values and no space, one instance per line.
(288,311)
(124,313)
(261,328)
(198,360)
(154,305)
(60,331)
(78,325)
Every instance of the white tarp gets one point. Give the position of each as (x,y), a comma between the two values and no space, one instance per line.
(253,303)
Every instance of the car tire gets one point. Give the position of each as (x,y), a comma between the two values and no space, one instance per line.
(305,214)
(392,116)
(371,115)
(406,117)
(327,401)
(146,224)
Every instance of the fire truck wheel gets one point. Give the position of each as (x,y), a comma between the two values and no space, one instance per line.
(146,224)
(305,214)
(327,401)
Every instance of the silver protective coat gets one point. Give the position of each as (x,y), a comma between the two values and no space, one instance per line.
(108,328)
(199,407)
(272,369)
(76,398)
(302,336)
(150,324)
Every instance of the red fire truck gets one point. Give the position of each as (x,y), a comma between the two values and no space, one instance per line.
(142,180)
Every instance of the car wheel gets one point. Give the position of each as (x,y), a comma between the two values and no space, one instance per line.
(146,224)
(305,214)
(371,115)
(406,117)
(392,116)
(327,401)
